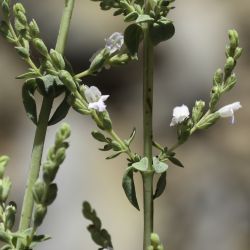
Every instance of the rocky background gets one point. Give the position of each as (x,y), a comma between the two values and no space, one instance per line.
(207,203)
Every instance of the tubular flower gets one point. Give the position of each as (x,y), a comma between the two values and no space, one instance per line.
(180,113)
(95,99)
(114,42)
(228,110)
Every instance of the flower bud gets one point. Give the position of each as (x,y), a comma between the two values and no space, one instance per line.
(230,82)
(155,240)
(234,38)
(98,61)
(49,65)
(106,121)
(10,213)
(60,155)
(21,17)
(160,247)
(39,191)
(49,171)
(230,63)
(214,96)
(5,184)
(79,106)
(218,77)
(150,248)
(207,121)
(40,46)
(3,163)
(34,29)
(64,132)
(18,7)
(119,60)
(57,59)
(40,212)
(238,53)
(6,9)
(67,80)
(197,111)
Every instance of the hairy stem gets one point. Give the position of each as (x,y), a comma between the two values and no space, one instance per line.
(64,26)
(35,162)
(41,129)
(148,68)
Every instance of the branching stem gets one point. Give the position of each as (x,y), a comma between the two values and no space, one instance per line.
(41,128)
(148,70)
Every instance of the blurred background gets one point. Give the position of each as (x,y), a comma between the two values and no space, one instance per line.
(207,204)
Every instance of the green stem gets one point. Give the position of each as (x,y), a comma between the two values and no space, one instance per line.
(83,74)
(148,70)
(64,26)
(41,128)
(35,162)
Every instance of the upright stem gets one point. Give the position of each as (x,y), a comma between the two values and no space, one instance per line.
(148,70)
(35,162)
(64,26)
(42,125)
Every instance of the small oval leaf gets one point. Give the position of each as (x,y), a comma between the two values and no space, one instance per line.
(133,35)
(142,165)
(61,111)
(129,187)
(159,166)
(161,185)
(160,32)
(29,102)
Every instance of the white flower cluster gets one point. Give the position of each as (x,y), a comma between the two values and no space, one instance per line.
(180,113)
(95,98)
(228,110)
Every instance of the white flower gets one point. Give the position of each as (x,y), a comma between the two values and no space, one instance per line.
(96,99)
(114,42)
(180,113)
(228,110)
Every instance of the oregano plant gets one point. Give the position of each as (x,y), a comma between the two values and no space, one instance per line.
(50,75)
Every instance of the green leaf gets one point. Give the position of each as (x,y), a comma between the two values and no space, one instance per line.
(39,238)
(131,17)
(5,237)
(100,236)
(159,167)
(133,35)
(161,185)
(30,74)
(142,165)
(46,84)
(129,187)
(160,32)
(6,247)
(144,19)
(131,138)
(23,52)
(176,162)
(99,136)
(61,111)
(114,155)
(29,102)
(50,85)
(106,147)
